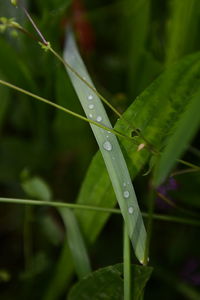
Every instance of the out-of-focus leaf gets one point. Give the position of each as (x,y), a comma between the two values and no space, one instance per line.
(107,283)
(76,243)
(182,28)
(136,21)
(184,130)
(36,188)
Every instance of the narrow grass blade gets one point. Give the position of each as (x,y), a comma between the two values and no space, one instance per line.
(76,243)
(110,150)
(177,143)
(127,266)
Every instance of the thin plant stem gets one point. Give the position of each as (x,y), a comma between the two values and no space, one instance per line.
(160,217)
(185,171)
(5,83)
(151,201)
(67,65)
(27,240)
(172,204)
(127,266)
(184,162)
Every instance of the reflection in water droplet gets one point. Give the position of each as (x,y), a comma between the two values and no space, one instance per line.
(90,115)
(90,97)
(130,209)
(107,146)
(126,194)
(99,119)
(91,106)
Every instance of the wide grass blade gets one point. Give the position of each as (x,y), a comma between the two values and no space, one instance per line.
(177,143)
(110,149)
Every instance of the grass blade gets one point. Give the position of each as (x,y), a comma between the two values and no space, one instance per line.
(76,243)
(110,150)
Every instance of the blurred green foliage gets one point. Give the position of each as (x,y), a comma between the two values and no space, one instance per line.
(130,44)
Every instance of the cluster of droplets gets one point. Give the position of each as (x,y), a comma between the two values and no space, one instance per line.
(108,147)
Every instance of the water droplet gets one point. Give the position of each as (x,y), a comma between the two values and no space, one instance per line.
(90,97)
(124,184)
(107,146)
(90,115)
(126,194)
(91,106)
(130,210)
(107,136)
(109,132)
(99,119)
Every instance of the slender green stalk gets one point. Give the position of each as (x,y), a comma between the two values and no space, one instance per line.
(181,209)
(193,166)
(185,171)
(127,266)
(12,86)
(149,224)
(159,217)
(27,240)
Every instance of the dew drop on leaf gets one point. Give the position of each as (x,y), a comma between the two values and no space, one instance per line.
(107,146)
(90,97)
(99,119)
(126,194)
(91,106)
(130,210)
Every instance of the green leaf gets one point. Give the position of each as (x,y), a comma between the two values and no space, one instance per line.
(107,283)
(110,150)
(185,129)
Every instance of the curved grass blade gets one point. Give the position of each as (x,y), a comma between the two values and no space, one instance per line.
(110,150)
(184,130)
(36,187)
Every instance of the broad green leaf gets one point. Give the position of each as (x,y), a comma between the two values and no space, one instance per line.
(107,283)
(110,150)
(155,112)
(177,143)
